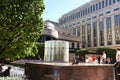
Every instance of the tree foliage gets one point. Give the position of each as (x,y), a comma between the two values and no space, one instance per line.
(20,27)
(40,47)
(109,52)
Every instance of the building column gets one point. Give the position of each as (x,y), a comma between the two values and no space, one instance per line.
(81,35)
(113,29)
(91,33)
(105,32)
(86,35)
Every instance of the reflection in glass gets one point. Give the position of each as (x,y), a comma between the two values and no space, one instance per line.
(117,28)
(109,31)
(101,32)
(95,33)
(83,37)
(89,35)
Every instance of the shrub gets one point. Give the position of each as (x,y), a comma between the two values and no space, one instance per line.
(109,52)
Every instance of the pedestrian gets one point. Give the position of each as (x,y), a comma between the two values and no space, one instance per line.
(118,54)
(99,59)
(75,59)
(118,70)
(103,57)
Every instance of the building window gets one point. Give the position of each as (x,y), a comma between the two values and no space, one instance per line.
(74,31)
(108,12)
(94,17)
(110,2)
(78,46)
(114,1)
(78,31)
(101,32)
(106,3)
(88,19)
(99,5)
(88,10)
(73,45)
(89,35)
(101,14)
(93,8)
(81,13)
(83,36)
(118,0)
(103,5)
(117,28)
(116,9)
(95,34)
(96,6)
(109,31)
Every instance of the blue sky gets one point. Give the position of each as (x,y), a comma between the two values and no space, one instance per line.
(56,8)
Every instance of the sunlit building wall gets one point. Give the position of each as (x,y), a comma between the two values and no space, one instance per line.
(96,23)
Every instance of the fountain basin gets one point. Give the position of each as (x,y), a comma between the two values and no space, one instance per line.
(67,71)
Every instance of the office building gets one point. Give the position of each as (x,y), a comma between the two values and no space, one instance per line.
(96,24)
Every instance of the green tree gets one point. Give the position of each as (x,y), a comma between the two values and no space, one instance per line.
(109,52)
(40,47)
(20,27)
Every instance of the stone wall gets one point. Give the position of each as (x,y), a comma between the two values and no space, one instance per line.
(67,71)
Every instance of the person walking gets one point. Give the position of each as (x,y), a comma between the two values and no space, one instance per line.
(75,59)
(103,57)
(118,55)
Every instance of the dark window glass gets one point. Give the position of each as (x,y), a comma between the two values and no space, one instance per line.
(108,12)
(95,33)
(110,2)
(109,31)
(83,36)
(93,8)
(88,10)
(117,28)
(73,46)
(106,3)
(103,5)
(81,13)
(99,5)
(88,35)
(101,32)
(116,9)
(101,14)
(85,11)
(78,31)
(118,0)
(113,1)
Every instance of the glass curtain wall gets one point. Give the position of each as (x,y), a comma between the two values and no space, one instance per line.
(78,31)
(101,32)
(117,28)
(88,35)
(109,31)
(95,34)
(83,37)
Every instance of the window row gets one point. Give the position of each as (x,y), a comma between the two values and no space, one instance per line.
(91,9)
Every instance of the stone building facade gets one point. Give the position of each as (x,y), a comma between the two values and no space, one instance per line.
(52,31)
(96,24)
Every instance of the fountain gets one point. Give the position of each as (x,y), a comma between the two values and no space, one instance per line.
(58,67)
(56,50)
